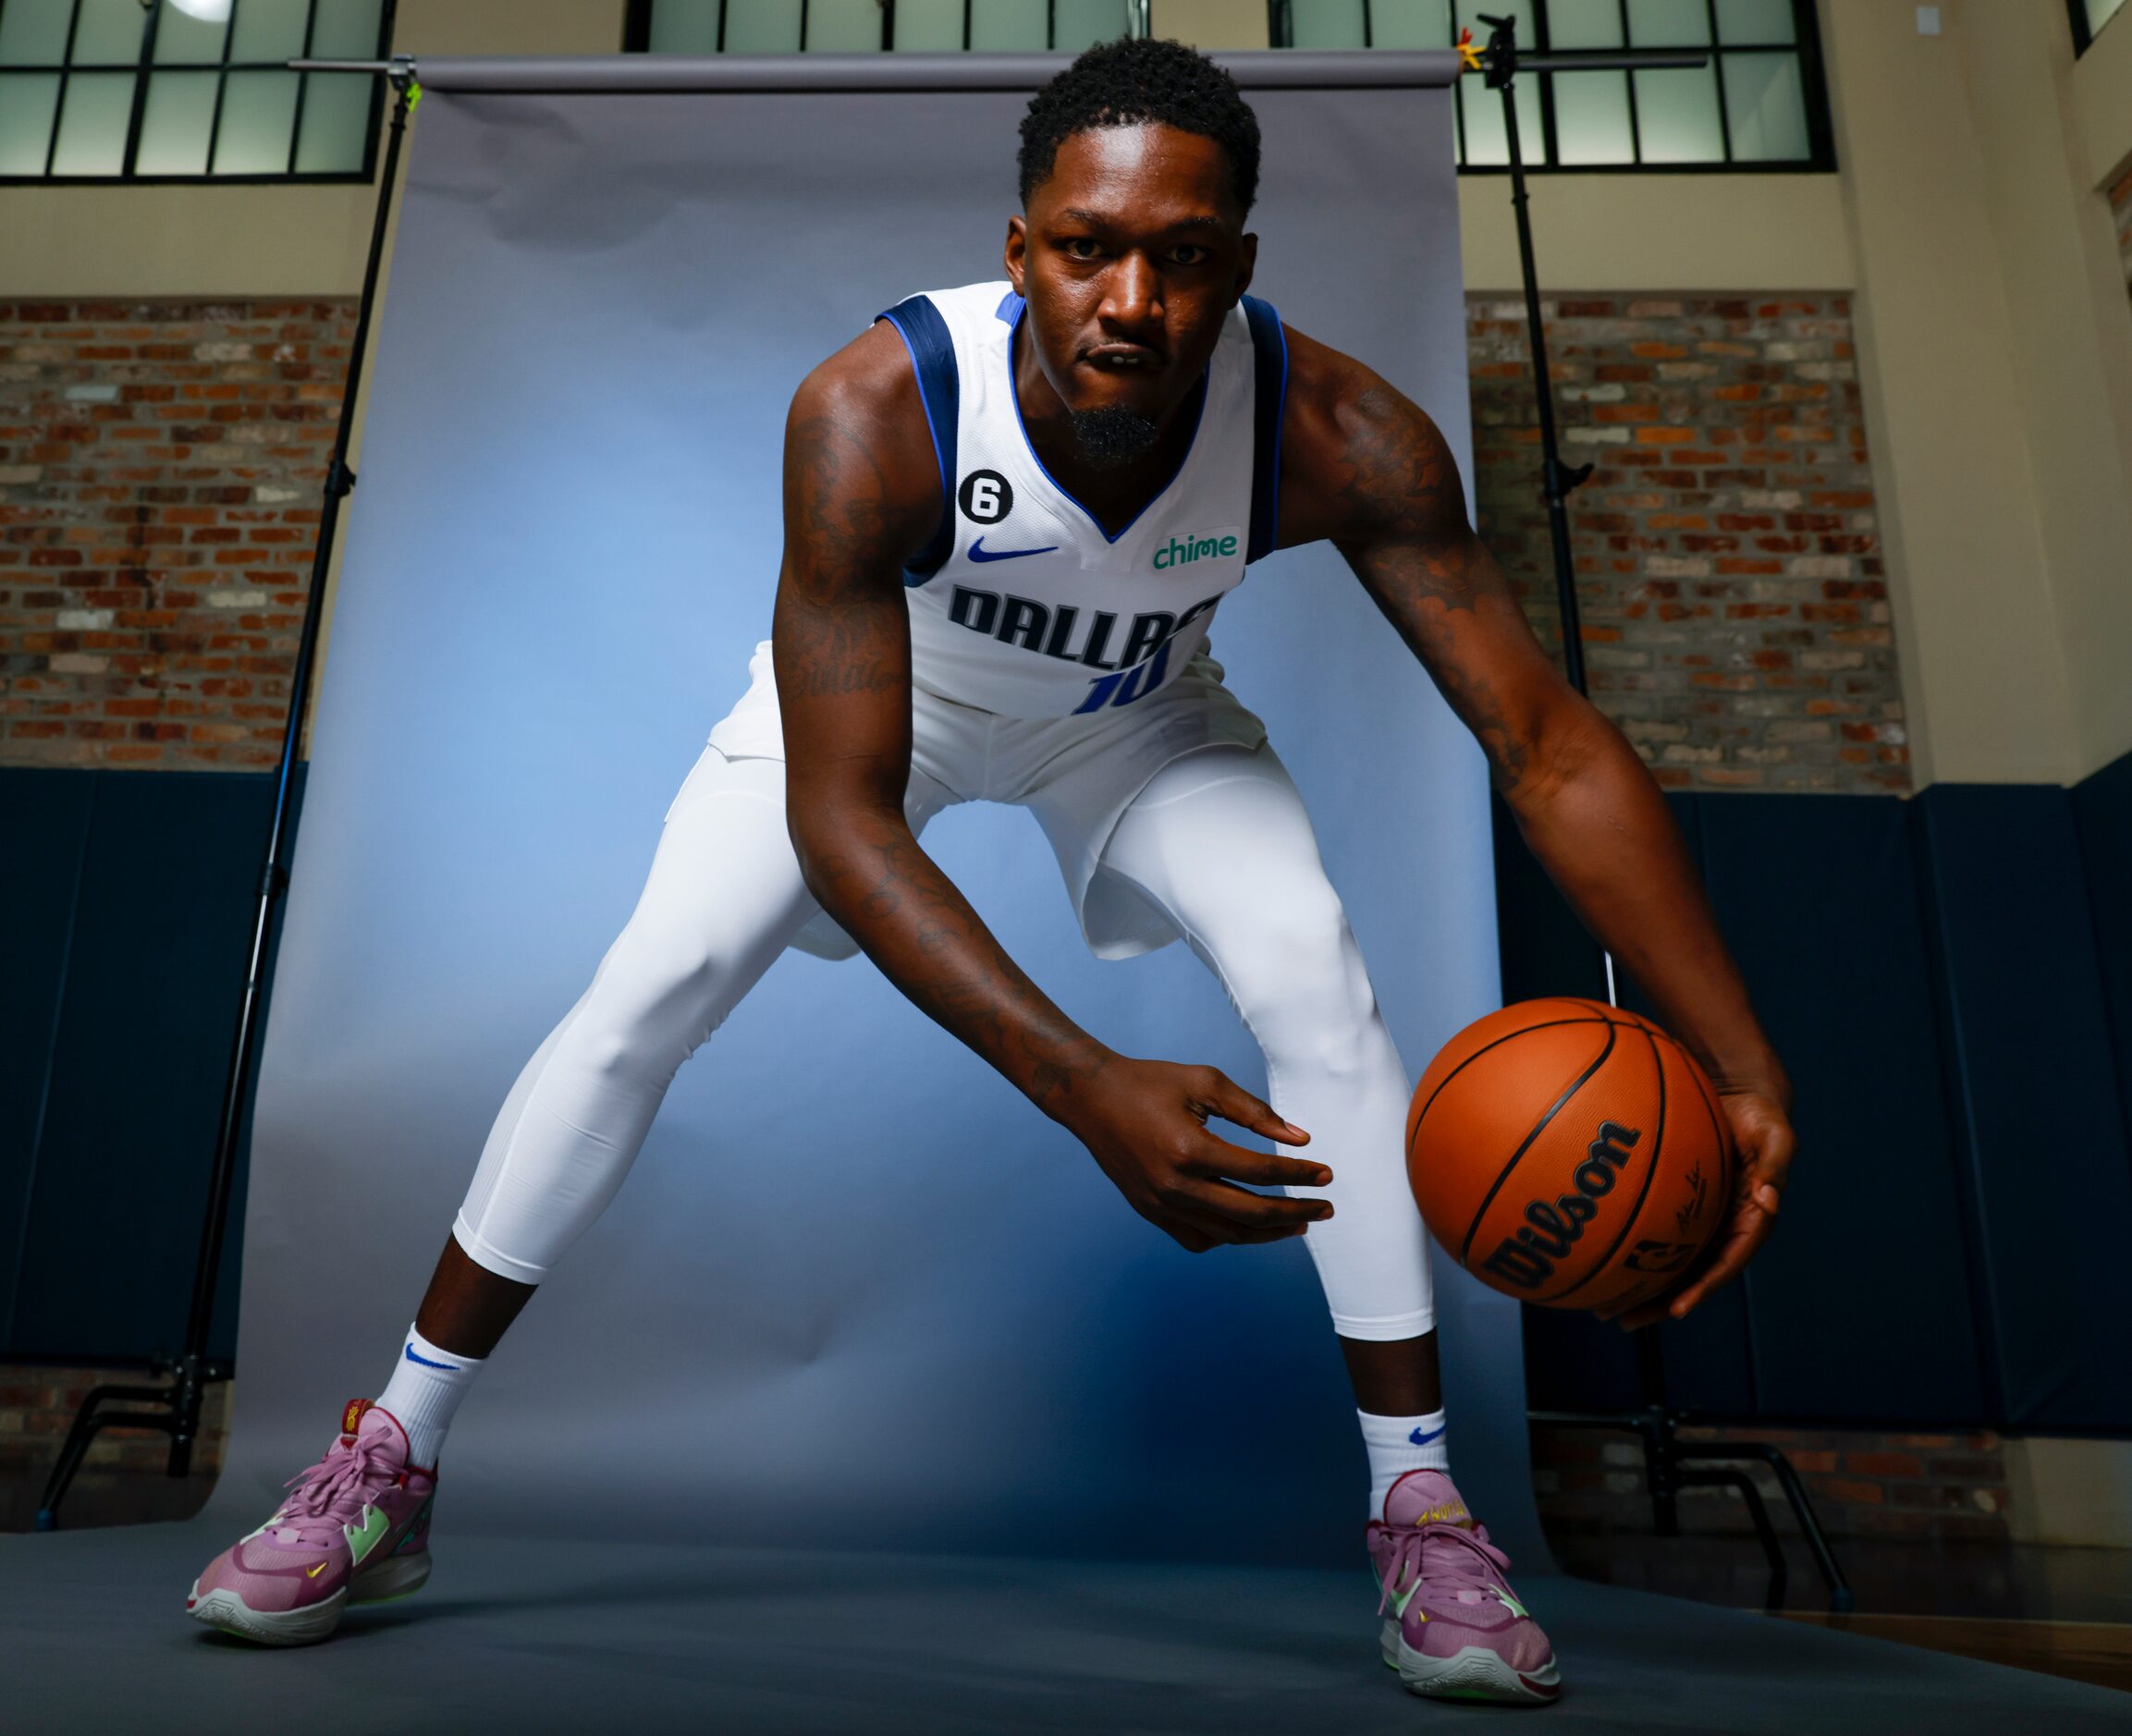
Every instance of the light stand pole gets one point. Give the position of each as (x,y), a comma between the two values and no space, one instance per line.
(1670,1464)
(174,1410)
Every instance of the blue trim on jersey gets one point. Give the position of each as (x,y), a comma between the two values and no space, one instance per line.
(924,335)
(1010,308)
(1190,444)
(1270,345)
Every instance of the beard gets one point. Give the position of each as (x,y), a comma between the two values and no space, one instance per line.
(1111,436)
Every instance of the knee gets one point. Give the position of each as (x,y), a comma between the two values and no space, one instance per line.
(650,1006)
(1301,987)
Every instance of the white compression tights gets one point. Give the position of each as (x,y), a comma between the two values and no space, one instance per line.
(1218,841)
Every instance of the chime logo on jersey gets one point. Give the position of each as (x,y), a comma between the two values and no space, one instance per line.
(1182,551)
(1086,636)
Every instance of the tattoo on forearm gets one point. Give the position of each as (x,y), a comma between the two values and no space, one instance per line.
(1409,543)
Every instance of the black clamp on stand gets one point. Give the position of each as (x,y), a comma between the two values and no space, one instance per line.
(174,1409)
(1670,1463)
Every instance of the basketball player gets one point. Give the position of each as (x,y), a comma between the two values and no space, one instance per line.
(1010,511)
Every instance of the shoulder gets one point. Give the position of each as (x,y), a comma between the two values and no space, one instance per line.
(1356,453)
(857,423)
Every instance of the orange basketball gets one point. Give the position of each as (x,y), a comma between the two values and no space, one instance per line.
(1569,1154)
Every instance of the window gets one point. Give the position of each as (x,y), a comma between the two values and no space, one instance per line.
(856,27)
(138,91)
(2089,16)
(1760,104)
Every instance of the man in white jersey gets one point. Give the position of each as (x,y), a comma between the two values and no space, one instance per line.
(1011,510)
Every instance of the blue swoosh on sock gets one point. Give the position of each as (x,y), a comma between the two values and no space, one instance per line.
(452,1368)
(1417,1438)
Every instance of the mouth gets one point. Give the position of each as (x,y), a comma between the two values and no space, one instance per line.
(1123,359)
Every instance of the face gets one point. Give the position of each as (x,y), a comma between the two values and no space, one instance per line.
(1130,256)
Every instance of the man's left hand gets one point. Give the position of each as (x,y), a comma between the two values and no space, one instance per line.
(1763,1142)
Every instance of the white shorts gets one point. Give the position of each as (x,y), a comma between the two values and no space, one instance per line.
(1077,775)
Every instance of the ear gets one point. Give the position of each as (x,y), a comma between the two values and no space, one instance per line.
(1017,252)
(1246,264)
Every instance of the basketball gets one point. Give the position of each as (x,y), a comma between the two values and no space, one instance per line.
(1570,1153)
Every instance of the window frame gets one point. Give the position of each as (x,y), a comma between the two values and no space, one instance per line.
(145,65)
(637,25)
(2084,33)
(1820,158)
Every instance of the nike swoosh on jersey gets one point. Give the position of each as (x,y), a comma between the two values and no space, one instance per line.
(978,552)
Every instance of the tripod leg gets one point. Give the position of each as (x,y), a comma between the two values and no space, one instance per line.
(89,1421)
(1839,1594)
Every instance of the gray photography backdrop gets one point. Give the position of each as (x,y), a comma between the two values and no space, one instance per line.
(857,1291)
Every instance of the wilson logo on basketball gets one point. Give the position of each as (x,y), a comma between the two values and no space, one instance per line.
(1549,1231)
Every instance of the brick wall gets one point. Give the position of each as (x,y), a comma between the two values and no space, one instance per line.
(1863,1483)
(160,469)
(160,466)
(1729,573)
(2121,209)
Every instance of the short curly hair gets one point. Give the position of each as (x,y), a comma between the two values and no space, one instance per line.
(1134,80)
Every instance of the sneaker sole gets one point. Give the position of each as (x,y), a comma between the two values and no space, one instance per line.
(227,1613)
(1472,1673)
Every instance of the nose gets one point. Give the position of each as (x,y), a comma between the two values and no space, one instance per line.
(1131,294)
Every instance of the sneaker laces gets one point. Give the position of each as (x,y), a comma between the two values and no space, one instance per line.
(334,1490)
(1473,1561)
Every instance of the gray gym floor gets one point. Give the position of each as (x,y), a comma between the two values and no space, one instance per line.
(523,1636)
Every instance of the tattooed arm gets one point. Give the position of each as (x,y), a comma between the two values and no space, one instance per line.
(861,493)
(1364,467)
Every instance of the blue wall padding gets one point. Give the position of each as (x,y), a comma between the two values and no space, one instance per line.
(146,881)
(1817,896)
(2038,1123)
(42,841)
(2102,815)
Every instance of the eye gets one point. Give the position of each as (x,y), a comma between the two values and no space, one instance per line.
(1075,245)
(1189,255)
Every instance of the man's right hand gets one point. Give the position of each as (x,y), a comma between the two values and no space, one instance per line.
(1146,1123)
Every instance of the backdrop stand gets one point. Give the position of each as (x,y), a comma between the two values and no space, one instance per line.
(174,1410)
(1670,1465)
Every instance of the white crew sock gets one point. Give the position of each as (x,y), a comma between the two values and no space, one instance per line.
(427,1383)
(1399,1443)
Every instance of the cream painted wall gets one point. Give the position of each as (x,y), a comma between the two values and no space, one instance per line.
(1983,685)
(1995,346)
(2070,1492)
(2071,360)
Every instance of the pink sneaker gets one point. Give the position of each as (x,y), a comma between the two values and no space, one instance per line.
(355,1531)
(1455,1630)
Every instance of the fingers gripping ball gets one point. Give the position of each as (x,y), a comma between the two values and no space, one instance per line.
(1570,1153)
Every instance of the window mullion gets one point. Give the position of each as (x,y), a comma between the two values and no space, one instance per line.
(302,78)
(1549,145)
(221,84)
(1718,74)
(137,108)
(1636,123)
(65,78)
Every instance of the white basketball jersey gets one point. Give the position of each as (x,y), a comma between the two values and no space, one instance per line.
(1020,604)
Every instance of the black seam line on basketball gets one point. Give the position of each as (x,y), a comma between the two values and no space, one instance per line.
(1484,1048)
(1651,1175)
(1539,1126)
